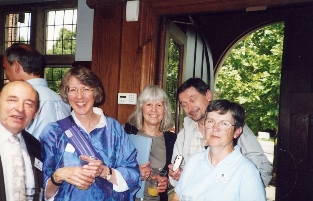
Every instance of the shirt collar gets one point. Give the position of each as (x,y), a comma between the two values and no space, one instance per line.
(102,123)
(5,134)
(37,81)
(228,159)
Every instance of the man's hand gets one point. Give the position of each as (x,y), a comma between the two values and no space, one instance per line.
(174,174)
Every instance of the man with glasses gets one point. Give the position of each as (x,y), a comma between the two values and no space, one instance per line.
(24,63)
(194,96)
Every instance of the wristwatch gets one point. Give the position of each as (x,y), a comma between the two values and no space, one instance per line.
(109,175)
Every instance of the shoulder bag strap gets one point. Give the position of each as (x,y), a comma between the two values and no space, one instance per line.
(76,138)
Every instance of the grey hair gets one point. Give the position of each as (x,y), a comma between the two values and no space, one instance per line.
(152,93)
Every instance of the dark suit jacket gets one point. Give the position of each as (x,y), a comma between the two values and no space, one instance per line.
(34,151)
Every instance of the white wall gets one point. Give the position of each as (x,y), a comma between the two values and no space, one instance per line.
(84,32)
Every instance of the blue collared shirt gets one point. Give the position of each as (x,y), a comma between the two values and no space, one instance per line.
(52,108)
(232,179)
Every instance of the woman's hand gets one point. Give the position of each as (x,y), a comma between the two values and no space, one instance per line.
(74,175)
(93,165)
(162,184)
(174,174)
(145,171)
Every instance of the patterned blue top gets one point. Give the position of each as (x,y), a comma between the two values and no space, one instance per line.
(116,151)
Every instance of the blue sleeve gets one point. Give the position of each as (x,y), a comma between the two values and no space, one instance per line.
(126,153)
(252,187)
(52,149)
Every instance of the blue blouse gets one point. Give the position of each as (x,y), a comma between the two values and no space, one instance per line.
(116,151)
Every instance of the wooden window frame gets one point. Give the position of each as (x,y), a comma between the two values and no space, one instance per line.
(37,35)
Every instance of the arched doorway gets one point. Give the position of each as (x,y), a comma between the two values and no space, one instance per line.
(250,75)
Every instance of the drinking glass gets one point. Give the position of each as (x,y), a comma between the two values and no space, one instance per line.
(186,198)
(85,162)
(153,181)
(33,194)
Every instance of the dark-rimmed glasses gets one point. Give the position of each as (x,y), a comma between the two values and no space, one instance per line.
(222,125)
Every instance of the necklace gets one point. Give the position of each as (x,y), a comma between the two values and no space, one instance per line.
(156,135)
(153,135)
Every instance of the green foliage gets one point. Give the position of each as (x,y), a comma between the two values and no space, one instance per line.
(251,74)
(54,77)
(172,74)
(65,43)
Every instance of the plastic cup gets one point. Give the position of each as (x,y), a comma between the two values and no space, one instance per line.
(153,187)
(186,198)
(153,181)
(85,162)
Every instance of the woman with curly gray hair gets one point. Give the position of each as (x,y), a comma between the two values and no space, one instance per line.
(152,118)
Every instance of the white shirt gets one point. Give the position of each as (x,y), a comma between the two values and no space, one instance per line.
(5,154)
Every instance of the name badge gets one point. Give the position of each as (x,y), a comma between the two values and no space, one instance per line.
(222,178)
(69,148)
(38,164)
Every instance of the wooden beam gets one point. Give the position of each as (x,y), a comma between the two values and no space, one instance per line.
(166,7)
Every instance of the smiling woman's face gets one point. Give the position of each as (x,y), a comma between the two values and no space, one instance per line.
(153,112)
(82,104)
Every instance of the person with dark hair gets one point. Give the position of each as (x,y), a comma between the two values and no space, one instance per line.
(152,118)
(194,96)
(23,62)
(228,175)
(112,171)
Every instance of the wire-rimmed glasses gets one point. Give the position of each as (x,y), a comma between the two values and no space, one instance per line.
(73,91)
(223,125)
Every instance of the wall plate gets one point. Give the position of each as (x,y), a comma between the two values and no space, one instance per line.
(127,98)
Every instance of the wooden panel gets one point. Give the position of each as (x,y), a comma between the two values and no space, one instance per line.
(295,157)
(59,59)
(130,72)
(165,7)
(299,138)
(301,103)
(302,61)
(149,26)
(106,54)
(310,144)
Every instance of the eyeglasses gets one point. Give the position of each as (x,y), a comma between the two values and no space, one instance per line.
(222,125)
(72,91)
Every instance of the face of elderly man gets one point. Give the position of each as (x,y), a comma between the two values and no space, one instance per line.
(18,106)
